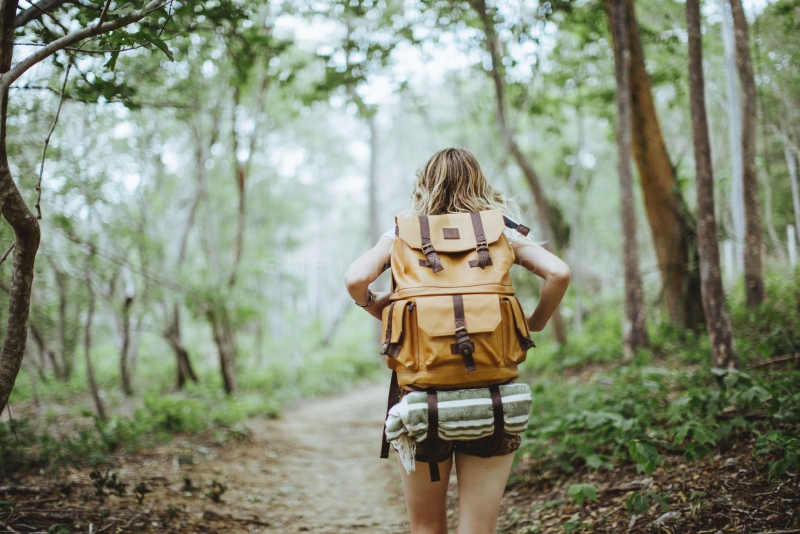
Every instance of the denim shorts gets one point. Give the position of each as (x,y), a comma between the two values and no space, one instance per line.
(487,447)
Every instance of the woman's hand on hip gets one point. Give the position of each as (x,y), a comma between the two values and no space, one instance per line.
(381,301)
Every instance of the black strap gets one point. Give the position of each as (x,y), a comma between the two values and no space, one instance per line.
(427,247)
(497,410)
(433,435)
(480,241)
(388,348)
(521,228)
(462,345)
(394,393)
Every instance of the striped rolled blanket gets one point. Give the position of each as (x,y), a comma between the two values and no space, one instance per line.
(464,414)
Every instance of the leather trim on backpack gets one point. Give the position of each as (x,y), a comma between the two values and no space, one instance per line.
(462,344)
(427,248)
(481,246)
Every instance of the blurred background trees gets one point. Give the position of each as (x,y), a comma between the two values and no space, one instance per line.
(216,165)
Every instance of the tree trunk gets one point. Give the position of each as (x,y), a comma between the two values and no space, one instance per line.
(791,166)
(173,335)
(87,347)
(718,322)
(242,169)
(734,133)
(45,353)
(126,341)
(26,230)
(753,276)
(66,354)
(551,227)
(670,223)
(223,337)
(635,315)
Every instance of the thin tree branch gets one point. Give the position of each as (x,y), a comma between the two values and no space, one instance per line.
(7,253)
(20,68)
(169,16)
(36,11)
(47,140)
(103,13)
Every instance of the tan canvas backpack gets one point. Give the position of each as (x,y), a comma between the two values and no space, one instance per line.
(454,321)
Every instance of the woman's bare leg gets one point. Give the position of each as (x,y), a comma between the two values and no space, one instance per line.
(481,483)
(426,501)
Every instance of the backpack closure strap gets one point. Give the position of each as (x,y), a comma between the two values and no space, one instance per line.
(480,242)
(389,348)
(427,246)
(463,345)
(433,435)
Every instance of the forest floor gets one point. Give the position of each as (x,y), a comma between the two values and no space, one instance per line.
(317,470)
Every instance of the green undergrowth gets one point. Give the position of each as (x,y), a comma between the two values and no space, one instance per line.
(593,411)
(159,413)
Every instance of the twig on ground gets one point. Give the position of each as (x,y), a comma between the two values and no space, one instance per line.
(779,359)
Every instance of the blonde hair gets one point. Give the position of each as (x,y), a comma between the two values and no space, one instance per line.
(452,182)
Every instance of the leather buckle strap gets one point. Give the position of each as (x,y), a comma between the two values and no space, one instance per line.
(462,345)
(394,393)
(433,435)
(521,228)
(480,242)
(427,246)
(497,411)
(388,348)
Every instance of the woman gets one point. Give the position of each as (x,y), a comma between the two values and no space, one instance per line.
(452,182)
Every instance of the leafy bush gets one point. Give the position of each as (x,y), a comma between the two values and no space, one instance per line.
(637,414)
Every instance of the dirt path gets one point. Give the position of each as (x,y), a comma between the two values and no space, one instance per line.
(324,454)
(316,469)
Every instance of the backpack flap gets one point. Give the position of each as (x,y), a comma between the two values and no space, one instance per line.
(453,232)
(459,333)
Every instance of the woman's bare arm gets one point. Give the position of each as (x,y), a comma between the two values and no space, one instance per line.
(366,270)
(556,275)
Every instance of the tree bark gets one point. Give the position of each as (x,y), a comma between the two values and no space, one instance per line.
(549,221)
(45,353)
(791,166)
(753,275)
(87,345)
(670,223)
(223,337)
(635,315)
(734,134)
(26,229)
(718,322)
(66,355)
(173,335)
(125,345)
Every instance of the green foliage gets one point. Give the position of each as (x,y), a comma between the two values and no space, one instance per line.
(639,413)
(777,443)
(637,503)
(583,492)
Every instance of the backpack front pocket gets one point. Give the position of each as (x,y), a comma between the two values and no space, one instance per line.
(518,338)
(399,336)
(458,333)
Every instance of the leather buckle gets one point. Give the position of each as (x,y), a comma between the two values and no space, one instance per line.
(482,245)
(427,248)
(461,330)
